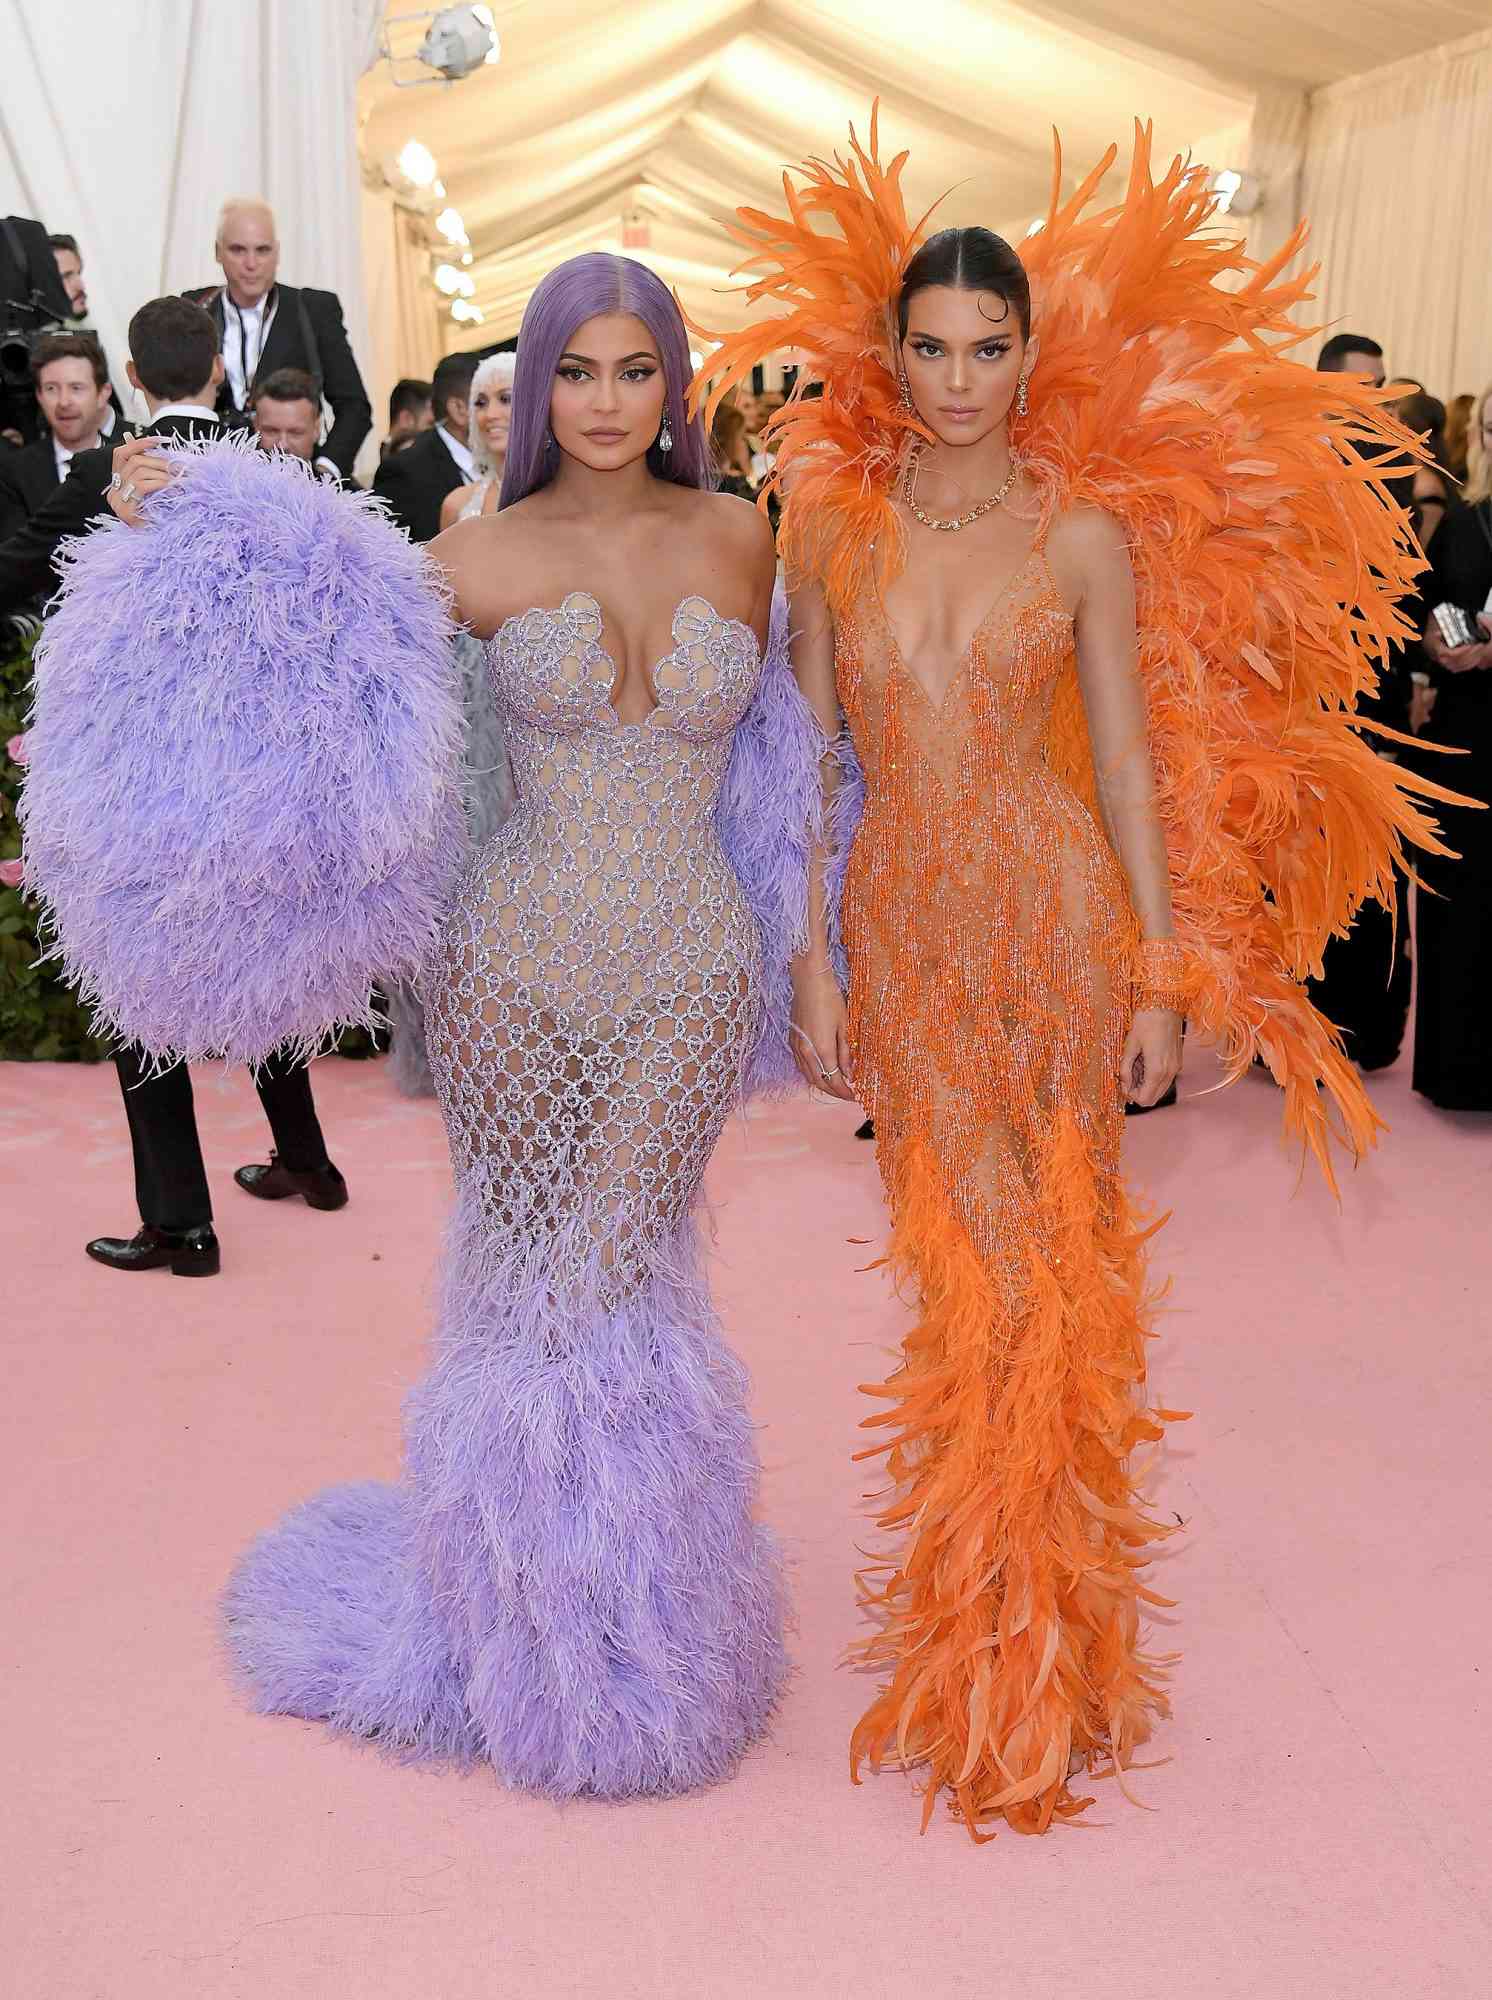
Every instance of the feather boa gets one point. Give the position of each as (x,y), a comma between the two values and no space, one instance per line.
(243,804)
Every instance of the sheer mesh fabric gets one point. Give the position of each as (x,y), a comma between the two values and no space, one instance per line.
(598,986)
(986,917)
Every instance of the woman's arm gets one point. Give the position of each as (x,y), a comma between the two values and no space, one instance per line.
(450,507)
(820,1021)
(1090,557)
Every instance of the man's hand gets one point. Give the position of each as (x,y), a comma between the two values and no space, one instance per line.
(139,471)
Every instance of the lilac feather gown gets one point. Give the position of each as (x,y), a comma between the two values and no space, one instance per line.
(570,1581)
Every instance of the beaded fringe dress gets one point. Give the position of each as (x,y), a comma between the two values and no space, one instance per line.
(991,950)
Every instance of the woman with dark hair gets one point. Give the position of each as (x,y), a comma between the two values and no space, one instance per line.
(1061,540)
(571,1582)
(732,452)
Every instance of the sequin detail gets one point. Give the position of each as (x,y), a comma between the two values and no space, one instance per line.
(598,984)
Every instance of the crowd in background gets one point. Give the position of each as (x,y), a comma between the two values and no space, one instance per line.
(284,369)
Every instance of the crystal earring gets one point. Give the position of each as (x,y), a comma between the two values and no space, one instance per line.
(548,439)
(1022,402)
(906,390)
(665,436)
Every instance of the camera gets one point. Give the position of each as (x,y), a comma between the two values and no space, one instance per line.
(32,302)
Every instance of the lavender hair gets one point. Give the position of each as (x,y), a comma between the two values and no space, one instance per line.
(573,293)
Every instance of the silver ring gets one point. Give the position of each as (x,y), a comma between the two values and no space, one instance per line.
(116,482)
(128,494)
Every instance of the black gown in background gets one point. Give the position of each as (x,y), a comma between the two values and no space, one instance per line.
(1453,926)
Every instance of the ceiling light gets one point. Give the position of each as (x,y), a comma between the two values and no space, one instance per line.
(447,278)
(1036,227)
(416,163)
(451,227)
(1236,193)
(466,256)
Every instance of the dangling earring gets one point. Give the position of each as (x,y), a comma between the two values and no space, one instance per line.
(548,439)
(1022,403)
(665,436)
(906,390)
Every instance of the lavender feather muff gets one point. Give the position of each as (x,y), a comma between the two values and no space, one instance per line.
(769,818)
(243,804)
(570,1583)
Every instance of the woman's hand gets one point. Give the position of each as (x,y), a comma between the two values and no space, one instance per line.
(820,1032)
(1458,659)
(1151,1061)
(139,471)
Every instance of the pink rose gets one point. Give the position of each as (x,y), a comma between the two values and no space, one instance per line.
(10,874)
(15,749)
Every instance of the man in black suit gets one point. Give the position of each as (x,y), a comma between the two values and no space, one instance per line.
(415,481)
(76,403)
(263,326)
(176,366)
(285,410)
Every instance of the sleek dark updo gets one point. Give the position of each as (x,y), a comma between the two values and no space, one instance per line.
(968,260)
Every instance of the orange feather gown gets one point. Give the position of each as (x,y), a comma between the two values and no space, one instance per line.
(991,947)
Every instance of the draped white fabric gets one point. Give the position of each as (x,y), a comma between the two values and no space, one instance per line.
(128,125)
(1397,184)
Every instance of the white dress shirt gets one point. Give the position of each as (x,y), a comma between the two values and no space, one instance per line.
(245,330)
(460,450)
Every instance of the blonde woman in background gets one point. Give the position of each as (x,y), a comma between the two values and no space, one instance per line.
(489,788)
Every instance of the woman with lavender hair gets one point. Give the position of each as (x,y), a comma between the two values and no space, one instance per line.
(489,782)
(570,1582)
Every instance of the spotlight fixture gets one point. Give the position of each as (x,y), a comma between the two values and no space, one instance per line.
(1236,193)
(451,227)
(415,164)
(447,279)
(458,42)
(1035,228)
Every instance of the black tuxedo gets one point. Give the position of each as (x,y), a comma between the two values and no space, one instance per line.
(415,481)
(28,479)
(306,331)
(26,571)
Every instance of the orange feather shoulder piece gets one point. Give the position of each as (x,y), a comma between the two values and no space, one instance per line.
(1268,551)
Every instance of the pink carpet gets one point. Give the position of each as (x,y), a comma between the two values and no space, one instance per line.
(1320,1827)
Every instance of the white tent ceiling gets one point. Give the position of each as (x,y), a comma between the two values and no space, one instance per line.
(673,112)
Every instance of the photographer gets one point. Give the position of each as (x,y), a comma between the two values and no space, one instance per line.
(263,326)
(32,302)
(76,404)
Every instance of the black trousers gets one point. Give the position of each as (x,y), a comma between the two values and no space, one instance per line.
(1366,986)
(170,1179)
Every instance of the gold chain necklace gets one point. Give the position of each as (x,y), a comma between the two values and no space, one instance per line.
(909,495)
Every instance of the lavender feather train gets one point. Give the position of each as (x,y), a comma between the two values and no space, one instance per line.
(243,803)
(570,1581)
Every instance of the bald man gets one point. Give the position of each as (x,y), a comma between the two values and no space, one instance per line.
(264,326)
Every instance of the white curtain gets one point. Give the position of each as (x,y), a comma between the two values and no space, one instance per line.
(127,125)
(1397,186)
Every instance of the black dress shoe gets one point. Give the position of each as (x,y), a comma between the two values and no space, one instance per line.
(191,1253)
(1160,1104)
(322,1187)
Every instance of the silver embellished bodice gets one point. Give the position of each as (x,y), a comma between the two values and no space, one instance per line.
(597,987)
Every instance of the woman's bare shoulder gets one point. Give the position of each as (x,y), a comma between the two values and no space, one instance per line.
(486,559)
